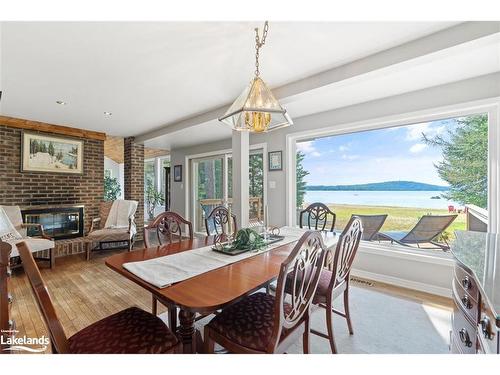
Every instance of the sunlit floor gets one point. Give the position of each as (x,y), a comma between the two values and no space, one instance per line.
(385,319)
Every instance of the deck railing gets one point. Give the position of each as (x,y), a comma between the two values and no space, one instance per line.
(476,218)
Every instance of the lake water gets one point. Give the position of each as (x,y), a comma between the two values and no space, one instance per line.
(418,199)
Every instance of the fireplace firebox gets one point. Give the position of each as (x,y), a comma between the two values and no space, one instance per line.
(58,222)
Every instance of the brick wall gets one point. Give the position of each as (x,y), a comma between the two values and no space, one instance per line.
(30,188)
(134,179)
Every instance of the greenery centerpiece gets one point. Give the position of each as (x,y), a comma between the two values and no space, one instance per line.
(246,239)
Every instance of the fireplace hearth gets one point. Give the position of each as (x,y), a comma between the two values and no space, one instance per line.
(59,222)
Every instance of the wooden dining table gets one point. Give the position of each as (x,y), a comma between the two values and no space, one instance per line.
(209,291)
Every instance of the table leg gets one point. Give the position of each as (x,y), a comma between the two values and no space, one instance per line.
(186,331)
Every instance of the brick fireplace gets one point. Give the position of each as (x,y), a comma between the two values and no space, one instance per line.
(32,190)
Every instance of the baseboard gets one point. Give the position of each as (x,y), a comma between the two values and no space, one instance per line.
(410,284)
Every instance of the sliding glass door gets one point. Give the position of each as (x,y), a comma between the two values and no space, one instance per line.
(212,186)
(208,187)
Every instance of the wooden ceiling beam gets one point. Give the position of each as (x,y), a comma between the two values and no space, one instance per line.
(51,128)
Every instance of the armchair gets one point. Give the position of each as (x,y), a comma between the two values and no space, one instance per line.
(13,231)
(119,225)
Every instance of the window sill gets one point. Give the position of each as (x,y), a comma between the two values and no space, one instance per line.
(402,252)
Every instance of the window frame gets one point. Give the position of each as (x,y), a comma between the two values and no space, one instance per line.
(489,106)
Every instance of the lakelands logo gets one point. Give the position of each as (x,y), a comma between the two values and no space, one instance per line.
(23,343)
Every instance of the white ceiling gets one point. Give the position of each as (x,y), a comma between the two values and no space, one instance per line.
(151,74)
(464,61)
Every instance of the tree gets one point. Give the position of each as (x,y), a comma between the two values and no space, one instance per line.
(256,175)
(465,160)
(51,149)
(301,183)
(152,197)
(112,188)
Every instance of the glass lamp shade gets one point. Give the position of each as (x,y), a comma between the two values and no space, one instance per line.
(256,110)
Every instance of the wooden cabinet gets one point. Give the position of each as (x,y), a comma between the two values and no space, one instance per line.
(474,327)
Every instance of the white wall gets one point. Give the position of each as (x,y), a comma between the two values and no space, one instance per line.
(117,171)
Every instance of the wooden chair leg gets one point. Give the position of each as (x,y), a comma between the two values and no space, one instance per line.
(305,337)
(172,318)
(52,257)
(346,309)
(209,344)
(329,326)
(88,247)
(154,305)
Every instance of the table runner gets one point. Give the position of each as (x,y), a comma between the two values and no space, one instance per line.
(167,270)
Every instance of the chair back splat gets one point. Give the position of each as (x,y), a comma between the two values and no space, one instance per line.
(345,252)
(58,338)
(168,227)
(219,218)
(317,217)
(303,268)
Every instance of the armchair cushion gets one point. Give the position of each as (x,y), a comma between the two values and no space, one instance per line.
(110,234)
(34,244)
(8,230)
(121,215)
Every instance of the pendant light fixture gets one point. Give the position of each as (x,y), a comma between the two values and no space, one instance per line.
(256,109)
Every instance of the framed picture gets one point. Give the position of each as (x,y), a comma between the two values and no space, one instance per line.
(43,153)
(275,161)
(178,173)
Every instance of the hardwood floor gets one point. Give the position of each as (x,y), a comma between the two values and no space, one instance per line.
(84,292)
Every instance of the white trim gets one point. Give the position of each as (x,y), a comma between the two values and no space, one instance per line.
(409,284)
(490,106)
(407,253)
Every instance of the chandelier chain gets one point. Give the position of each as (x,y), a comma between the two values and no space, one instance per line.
(259,43)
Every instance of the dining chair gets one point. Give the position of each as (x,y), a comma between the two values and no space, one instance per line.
(167,228)
(334,280)
(219,218)
(317,217)
(261,323)
(6,324)
(130,331)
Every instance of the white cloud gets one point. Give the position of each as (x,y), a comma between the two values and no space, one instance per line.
(346,147)
(414,132)
(418,147)
(350,157)
(308,148)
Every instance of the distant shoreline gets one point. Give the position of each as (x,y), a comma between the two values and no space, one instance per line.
(380,186)
(345,205)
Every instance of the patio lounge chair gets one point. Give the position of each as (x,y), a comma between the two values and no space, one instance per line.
(371,225)
(427,228)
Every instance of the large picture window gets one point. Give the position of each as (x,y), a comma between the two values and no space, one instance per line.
(433,168)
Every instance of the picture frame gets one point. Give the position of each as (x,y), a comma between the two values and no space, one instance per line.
(178,173)
(275,160)
(45,153)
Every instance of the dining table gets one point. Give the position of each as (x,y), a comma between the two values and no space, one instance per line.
(208,292)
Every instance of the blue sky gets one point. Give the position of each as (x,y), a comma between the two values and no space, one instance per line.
(375,156)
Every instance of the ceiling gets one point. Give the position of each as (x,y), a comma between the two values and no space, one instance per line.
(114,149)
(151,74)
